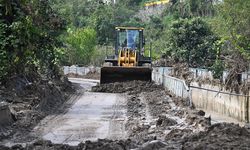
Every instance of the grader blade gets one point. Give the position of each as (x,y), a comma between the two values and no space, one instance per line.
(123,74)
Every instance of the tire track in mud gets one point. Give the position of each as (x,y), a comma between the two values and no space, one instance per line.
(154,115)
(39,128)
(117,121)
(92,116)
(63,110)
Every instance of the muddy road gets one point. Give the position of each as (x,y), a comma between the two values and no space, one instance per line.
(90,116)
(93,116)
(132,115)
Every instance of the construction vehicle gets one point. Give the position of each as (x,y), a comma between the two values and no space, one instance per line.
(128,61)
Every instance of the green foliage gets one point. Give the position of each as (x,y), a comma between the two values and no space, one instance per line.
(235,16)
(28,38)
(191,41)
(80,45)
(3,54)
(101,17)
(154,28)
(30,32)
(217,69)
(155,55)
(191,8)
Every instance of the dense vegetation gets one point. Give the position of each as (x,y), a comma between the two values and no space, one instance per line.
(38,35)
(28,33)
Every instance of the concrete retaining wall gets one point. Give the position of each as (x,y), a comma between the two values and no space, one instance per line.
(212,98)
(205,73)
(176,86)
(206,97)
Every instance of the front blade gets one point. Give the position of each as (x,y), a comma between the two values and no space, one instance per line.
(123,74)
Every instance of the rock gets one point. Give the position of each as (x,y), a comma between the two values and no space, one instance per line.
(153,145)
(163,121)
(201,113)
(5,115)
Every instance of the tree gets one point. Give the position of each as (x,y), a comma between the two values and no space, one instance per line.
(192,8)
(80,46)
(235,14)
(191,41)
(28,37)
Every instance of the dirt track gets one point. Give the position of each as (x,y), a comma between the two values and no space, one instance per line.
(145,116)
(92,116)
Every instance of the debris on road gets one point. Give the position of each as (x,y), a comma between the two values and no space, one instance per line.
(154,113)
(101,144)
(132,87)
(30,101)
(158,120)
(90,75)
(219,136)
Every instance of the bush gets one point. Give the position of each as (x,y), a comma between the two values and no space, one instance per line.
(3,53)
(191,41)
(80,45)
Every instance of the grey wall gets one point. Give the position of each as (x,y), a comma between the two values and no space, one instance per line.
(206,97)
(80,70)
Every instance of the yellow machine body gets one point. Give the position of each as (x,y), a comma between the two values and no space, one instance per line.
(127,58)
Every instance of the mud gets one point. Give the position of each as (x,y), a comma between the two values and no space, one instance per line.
(101,144)
(158,120)
(91,116)
(219,136)
(30,100)
(164,121)
(132,87)
(182,102)
(177,134)
(90,75)
(155,114)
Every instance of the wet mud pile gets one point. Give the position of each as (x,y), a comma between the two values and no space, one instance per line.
(132,87)
(219,136)
(156,115)
(101,144)
(30,100)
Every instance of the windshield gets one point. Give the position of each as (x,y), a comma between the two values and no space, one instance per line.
(129,39)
